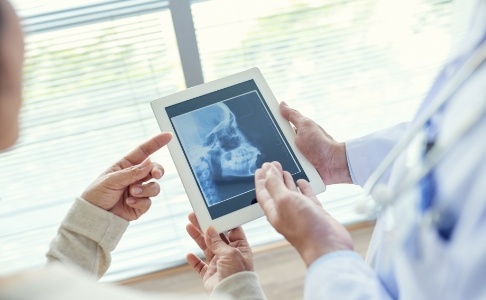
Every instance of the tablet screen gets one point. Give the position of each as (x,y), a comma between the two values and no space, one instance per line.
(225,136)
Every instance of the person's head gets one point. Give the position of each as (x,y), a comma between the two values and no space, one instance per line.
(11,62)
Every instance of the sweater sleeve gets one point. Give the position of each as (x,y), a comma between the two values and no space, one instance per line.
(59,282)
(342,275)
(366,153)
(86,237)
(88,234)
(239,286)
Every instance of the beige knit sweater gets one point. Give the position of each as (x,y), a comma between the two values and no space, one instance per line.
(80,254)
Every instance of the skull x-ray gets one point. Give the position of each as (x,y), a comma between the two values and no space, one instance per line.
(217,149)
(225,136)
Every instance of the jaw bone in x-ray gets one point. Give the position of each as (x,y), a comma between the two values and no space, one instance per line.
(224,154)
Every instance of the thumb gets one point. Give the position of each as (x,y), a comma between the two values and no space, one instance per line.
(284,110)
(132,174)
(290,114)
(214,242)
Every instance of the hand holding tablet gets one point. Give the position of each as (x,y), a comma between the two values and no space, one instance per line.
(223,131)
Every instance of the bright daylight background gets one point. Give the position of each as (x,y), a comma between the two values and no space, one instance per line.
(93,66)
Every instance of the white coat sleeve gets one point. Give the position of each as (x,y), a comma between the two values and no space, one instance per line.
(364,154)
(342,275)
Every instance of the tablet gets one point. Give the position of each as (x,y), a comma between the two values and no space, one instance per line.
(223,131)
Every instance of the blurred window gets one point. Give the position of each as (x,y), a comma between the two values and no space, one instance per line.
(92,67)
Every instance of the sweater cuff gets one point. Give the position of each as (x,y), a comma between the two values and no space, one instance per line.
(95,223)
(242,285)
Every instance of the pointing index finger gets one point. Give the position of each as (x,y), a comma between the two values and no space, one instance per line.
(146,149)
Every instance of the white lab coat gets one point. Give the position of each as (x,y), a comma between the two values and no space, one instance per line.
(407,258)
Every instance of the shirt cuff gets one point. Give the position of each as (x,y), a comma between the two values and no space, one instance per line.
(95,223)
(242,285)
(333,256)
(350,167)
(343,275)
(364,154)
(359,164)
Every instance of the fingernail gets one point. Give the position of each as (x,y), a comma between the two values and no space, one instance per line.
(158,173)
(266,166)
(137,190)
(130,201)
(284,103)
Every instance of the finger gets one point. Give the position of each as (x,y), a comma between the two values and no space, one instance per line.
(284,110)
(215,243)
(237,234)
(277,165)
(291,115)
(130,175)
(196,234)
(140,204)
(298,120)
(157,171)
(144,150)
(150,189)
(192,218)
(197,264)
(274,181)
(264,199)
(289,181)
(306,189)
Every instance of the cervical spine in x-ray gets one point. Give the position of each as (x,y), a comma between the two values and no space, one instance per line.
(225,152)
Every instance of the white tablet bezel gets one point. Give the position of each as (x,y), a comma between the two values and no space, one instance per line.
(248,213)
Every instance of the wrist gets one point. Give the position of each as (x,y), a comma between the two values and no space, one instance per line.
(91,197)
(309,255)
(86,196)
(313,252)
(335,168)
(342,167)
(312,246)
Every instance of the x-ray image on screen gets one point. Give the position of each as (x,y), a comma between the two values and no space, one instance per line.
(225,142)
(217,150)
(225,136)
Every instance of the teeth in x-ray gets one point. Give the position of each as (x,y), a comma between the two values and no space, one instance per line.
(222,152)
(240,161)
